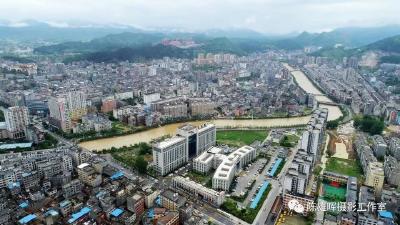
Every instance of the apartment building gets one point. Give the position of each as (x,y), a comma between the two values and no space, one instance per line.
(17,120)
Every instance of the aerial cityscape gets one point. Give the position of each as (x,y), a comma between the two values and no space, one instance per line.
(200,112)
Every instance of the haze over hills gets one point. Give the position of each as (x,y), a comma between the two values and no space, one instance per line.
(105,42)
(35,31)
(348,36)
(390,46)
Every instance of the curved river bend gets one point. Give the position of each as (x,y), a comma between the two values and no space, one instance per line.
(147,136)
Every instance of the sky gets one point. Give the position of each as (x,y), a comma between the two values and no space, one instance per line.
(266,16)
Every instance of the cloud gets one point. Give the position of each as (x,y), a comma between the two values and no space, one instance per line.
(272,16)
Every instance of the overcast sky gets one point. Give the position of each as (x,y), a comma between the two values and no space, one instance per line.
(268,16)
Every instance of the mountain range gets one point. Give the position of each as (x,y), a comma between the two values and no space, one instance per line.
(98,41)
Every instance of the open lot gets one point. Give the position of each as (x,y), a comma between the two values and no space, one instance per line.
(344,166)
(239,138)
(294,220)
(245,179)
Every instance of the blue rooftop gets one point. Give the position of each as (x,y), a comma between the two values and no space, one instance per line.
(117,212)
(16,145)
(24,204)
(386,214)
(27,219)
(13,185)
(260,193)
(78,215)
(150,213)
(117,175)
(274,167)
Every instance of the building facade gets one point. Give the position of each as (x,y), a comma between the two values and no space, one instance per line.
(169,155)
(17,120)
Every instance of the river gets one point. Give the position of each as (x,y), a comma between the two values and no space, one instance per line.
(147,136)
(309,87)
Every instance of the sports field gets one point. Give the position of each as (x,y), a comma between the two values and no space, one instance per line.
(332,193)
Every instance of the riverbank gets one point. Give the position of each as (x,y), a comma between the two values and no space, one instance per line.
(148,135)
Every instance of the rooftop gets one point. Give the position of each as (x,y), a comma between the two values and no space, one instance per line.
(117,212)
(168,142)
(27,219)
(79,214)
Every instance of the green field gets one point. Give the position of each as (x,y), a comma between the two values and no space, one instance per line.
(334,194)
(198,177)
(344,166)
(239,138)
(289,140)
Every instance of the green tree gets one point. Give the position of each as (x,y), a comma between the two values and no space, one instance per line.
(141,164)
(371,124)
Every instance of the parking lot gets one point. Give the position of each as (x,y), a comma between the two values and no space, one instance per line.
(247,176)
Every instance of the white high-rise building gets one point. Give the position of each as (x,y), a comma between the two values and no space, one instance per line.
(17,120)
(170,154)
(67,107)
(198,139)
(206,137)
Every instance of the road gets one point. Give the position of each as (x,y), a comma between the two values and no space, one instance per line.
(276,189)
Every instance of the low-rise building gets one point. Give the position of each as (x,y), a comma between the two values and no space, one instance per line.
(394,147)
(230,165)
(375,177)
(88,175)
(205,161)
(366,195)
(379,146)
(72,188)
(392,170)
(172,200)
(136,204)
(199,191)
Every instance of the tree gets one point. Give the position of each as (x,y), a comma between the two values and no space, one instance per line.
(371,124)
(144,148)
(141,164)
(332,124)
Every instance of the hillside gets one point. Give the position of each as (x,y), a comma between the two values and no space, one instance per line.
(109,42)
(157,51)
(348,37)
(390,45)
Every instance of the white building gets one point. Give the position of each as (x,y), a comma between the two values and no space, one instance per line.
(206,137)
(209,195)
(225,172)
(198,139)
(205,161)
(151,97)
(170,154)
(17,120)
(230,165)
